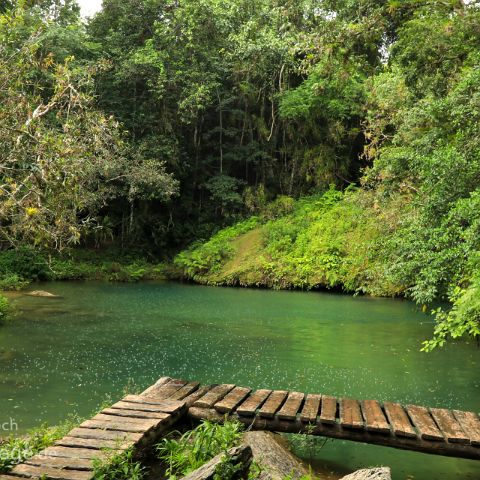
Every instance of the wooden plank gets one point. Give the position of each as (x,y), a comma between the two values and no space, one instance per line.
(184,391)
(159,383)
(213,396)
(328,412)
(24,470)
(168,389)
(375,420)
(253,402)
(193,397)
(232,399)
(311,408)
(67,452)
(421,418)
(273,403)
(144,407)
(350,413)
(291,406)
(129,420)
(470,424)
(59,462)
(121,425)
(134,413)
(399,420)
(449,426)
(166,406)
(99,434)
(93,443)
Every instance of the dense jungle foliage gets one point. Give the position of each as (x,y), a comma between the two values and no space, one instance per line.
(336,140)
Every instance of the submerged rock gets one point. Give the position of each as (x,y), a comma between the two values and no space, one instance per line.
(380,473)
(42,293)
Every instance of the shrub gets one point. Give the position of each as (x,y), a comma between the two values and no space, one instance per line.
(4,308)
(27,263)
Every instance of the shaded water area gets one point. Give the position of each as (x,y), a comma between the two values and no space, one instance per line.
(66,355)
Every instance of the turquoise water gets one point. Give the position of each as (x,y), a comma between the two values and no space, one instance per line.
(64,355)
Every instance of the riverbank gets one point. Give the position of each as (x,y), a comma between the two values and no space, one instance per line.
(20,267)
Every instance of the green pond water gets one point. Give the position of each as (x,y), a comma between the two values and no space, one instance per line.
(66,355)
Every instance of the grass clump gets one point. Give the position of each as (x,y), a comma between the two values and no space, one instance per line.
(15,450)
(118,466)
(194,448)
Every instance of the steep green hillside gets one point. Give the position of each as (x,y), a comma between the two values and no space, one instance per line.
(329,241)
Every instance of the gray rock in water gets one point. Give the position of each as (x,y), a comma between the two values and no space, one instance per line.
(42,293)
(380,473)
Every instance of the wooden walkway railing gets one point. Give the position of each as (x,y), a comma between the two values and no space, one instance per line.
(139,420)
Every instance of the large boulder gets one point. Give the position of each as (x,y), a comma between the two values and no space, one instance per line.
(379,473)
(272,455)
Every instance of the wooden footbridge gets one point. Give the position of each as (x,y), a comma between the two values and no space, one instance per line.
(140,420)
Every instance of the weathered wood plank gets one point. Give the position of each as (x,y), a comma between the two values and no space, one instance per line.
(425,424)
(134,413)
(168,389)
(144,407)
(128,420)
(213,396)
(100,434)
(93,443)
(449,426)
(470,424)
(61,463)
(77,452)
(328,413)
(311,408)
(399,420)
(166,406)
(273,403)
(250,405)
(183,392)
(194,396)
(291,406)
(121,425)
(375,420)
(232,399)
(350,413)
(159,383)
(24,470)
